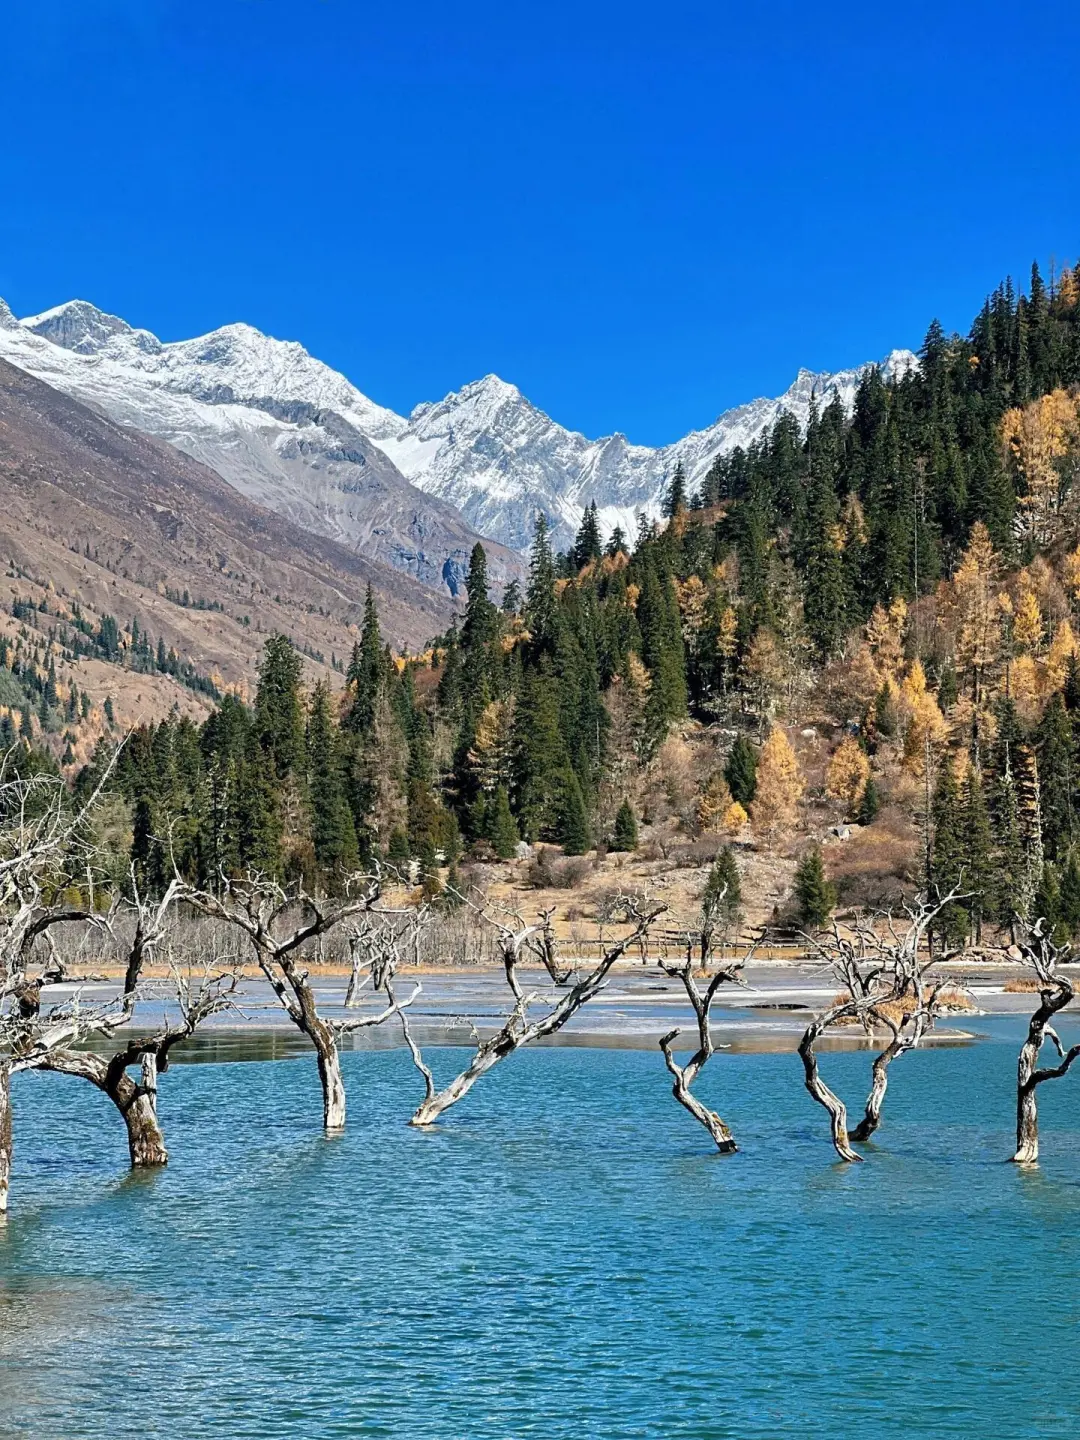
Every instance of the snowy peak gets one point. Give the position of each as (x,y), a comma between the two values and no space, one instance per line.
(278,425)
(81,327)
(500,460)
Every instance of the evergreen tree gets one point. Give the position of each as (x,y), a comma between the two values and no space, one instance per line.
(722,897)
(815,895)
(365,672)
(870,804)
(541,614)
(740,771)
(500,827)
(333,831)
(587,543)
(572,824)
(624,835)
(675,499)
(279,719)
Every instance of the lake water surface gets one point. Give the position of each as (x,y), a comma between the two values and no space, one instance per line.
(562,1258)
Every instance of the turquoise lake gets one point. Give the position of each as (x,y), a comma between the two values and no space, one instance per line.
(564,1257)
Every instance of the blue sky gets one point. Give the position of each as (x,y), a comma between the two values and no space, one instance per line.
(638,214)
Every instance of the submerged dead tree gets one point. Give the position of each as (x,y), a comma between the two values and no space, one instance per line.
(685,1075)
(882,972)
(279,923)
(1056,991)
(51,1040)
(518,1030)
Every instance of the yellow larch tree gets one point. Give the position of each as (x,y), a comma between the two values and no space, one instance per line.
(979,617)
(713,803)
(848,772)
(1042,442)
(780,785)
(1062,648)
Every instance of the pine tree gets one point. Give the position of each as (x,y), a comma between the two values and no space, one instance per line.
(815,895)
(675,499)
(740,772)
(333,832)
(587,543)
(481,617)
(365,673)
(870,804)
(572,825)
(624,834)
(722,897)
(279,719)
(541,615)
(500,827)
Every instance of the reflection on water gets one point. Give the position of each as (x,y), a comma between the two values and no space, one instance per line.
(562,1257)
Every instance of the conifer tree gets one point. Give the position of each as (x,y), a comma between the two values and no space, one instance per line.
(675,499)
(780,785)
(587,543)
(541,614)
(572,824)
(333,832)
(870,804)
(624,834)
(740,771)
(816,897)
(501,830)
(279,720)
(365,673)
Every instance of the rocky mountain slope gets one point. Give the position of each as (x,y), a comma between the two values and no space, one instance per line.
(280,427)
(294,435)
(499,459)
(114,522)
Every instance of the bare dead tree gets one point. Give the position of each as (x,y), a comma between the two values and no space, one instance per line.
(518,1030)
(278,923)
(1056,991)
(52,1041)
(685,1075)
(882,974)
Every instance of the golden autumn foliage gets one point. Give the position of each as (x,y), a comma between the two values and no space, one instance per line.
(713,803)
(1039,440)
(926,725)
(979,617)
(780,785)
(848,772)
(735,817)
(1062,646)
(1027,620)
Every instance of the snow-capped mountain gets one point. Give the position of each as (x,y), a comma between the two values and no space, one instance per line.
(282,428)
(297,437)
(499,459)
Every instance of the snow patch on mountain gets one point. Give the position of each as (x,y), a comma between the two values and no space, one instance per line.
(278,425)
(500,460)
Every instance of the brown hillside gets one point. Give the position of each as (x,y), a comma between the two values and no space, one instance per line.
(112,520)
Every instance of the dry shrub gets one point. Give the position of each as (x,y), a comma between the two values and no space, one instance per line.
(549,873)
(1022,985)
(878,864)
(952,997)
(702,851)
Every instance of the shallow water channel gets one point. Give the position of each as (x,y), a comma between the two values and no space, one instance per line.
(562,1257)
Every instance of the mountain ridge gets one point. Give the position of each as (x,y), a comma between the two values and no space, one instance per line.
(292,433)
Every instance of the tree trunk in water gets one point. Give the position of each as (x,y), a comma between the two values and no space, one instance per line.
(333,1087)
(5,1136)
(1027,1117)
(874,1101)
(434,1105)
(824,1096)
(146,1143)
(725,1141)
